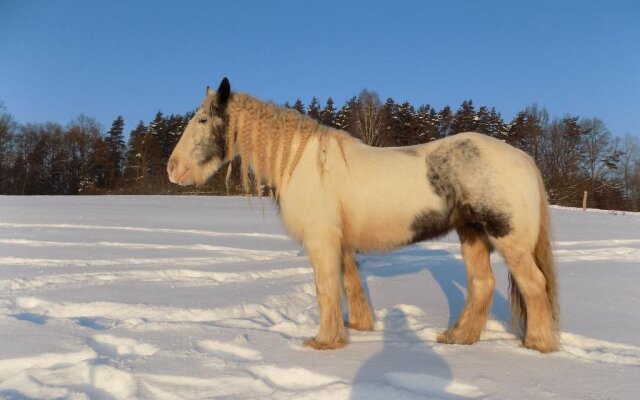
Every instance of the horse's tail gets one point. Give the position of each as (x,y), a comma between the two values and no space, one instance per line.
(543,257)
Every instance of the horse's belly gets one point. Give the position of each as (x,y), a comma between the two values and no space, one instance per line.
(382,221)
(378,233)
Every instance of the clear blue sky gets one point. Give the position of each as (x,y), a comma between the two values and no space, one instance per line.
(105,58)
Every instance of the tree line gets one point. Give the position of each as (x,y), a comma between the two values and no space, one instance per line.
(574,154)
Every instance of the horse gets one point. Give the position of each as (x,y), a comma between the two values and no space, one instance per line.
(337,196)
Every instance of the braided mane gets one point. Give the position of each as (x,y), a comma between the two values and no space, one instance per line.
(264,136)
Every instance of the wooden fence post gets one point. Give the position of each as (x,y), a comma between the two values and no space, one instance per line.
(584,201)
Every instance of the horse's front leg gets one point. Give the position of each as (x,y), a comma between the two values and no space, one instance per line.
(325,254)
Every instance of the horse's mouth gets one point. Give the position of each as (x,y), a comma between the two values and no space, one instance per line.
(185,179)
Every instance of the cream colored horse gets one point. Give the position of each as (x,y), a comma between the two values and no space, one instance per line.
(338,195)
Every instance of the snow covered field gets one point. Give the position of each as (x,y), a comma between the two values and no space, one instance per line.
(200,297)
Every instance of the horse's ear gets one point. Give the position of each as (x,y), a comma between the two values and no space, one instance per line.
(223,93)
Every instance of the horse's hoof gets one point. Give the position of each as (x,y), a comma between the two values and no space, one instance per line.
(443,337)
(541,344)
(456,337)
(314,344)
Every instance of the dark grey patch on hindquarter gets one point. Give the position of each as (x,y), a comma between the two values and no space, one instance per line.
(480,219)
(466,148)
(449,170)
(494,222)
(429,225)
(447,167)
(470,232)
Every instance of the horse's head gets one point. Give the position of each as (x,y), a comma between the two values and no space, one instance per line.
(202,147)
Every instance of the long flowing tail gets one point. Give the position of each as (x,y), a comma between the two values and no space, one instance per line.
(543,256)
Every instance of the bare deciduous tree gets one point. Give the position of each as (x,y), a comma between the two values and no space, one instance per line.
(629,170)
(528,130)
(7,128)
(369,119)
(561,156)
(600,152)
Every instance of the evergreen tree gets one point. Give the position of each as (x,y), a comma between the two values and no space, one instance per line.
(389,120)
(497,127)
(298,106)
(483,125)
(148,152)
(346,117)
(328,114)
(527,131)
(176,124)
(136,157)
(158,130)
(314,109)
(157,151)
(7,128)
(465,118)
(427,124)
(405,125)
(445,118)
(490,123)
(115,152)
(517,129)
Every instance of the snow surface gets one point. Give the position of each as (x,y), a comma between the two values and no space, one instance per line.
(199,297)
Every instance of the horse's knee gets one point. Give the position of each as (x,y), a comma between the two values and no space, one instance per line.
(482,288)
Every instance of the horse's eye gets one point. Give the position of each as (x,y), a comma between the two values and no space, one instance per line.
(203,120)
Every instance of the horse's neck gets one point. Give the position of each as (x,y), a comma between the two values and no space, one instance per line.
(271,146)
(272,141)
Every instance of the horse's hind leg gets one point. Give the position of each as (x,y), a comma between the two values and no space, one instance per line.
(480,283)
(540,333)
(325,254)
(360,316)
